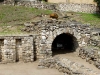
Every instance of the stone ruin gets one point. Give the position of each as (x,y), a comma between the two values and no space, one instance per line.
(16,48)
(75,7)
(52,31)
(52,35)
(66,66)
(48,38)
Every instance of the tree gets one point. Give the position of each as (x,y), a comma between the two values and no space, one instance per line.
(98,4)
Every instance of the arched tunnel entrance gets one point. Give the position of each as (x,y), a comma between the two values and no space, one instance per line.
(64,43)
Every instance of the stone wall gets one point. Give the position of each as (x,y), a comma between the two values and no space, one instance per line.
(24,48)
(30,48)
(34,4)
(83,1)
(49,29)
(87,8)
(73,1)
(10,2)
(91,54)
(16,48)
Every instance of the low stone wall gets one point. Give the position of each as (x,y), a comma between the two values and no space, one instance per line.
(34,4)
(66,66)
(10,2)
(92,51)
(91,54)
(95,38)
(16,48)
(86,8)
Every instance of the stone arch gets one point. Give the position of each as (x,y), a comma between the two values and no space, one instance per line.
(51,30)
(64,43)
(47,38)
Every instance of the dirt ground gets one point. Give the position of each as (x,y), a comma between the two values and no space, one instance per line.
(26,69)
(21,68)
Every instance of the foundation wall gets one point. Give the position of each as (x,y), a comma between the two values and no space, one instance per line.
(16,48)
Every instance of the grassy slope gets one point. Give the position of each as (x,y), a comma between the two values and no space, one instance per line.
(93,19)
(13,17)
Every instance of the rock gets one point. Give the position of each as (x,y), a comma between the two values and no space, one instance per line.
(66,66)
(91,55)
(54,15)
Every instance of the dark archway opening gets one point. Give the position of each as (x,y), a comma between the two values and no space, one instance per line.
(1,48)
(64,43)
(18,50)
(1,0)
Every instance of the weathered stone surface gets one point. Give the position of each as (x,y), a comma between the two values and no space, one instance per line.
(16,48)
(66,66)
(91,54)
(87,8)
(50,28)
(78,7)
(28,48)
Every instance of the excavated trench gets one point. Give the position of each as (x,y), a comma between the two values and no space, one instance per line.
(64,43)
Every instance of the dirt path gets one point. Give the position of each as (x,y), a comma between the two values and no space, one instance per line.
(73,57)
(26,69)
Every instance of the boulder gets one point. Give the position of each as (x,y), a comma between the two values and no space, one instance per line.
(54,15)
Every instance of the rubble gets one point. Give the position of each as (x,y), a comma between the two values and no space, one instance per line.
(91,54)
(66,66)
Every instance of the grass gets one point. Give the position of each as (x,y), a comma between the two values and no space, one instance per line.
(15,16)
(18,13)
(93,19)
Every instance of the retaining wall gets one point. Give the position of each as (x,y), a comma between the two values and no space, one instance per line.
(16,48)
(87,8)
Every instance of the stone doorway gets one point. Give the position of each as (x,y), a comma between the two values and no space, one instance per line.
(18,49)
(1,48)
(64,43)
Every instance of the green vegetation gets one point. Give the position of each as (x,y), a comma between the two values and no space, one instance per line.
(13,17)
(98,2)
(16,13)
(87,18)
(93,19)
